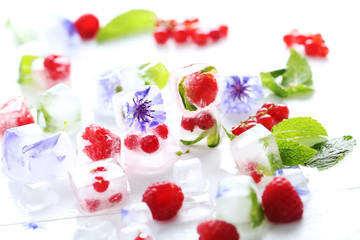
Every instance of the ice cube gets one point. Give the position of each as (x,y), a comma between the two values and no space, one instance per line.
(134,231)
(296,177)
(189,176)
(15,139)
(256,150)
(59,109)
(94,230)
(14,113)
(136,214)
(195,87)
(50,158)
(99,185)
(38,196)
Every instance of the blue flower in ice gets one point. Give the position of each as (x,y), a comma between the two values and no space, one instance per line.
(241,94)
(143,113)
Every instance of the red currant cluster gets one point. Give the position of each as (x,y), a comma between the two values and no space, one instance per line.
(148,143)
(187,30)
(314,43)
(268,115)
(204,120)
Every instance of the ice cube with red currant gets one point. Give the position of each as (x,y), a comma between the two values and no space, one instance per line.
(100,185)
(96,143)
(195,87)
(14,113)
(256,153)
(59,108)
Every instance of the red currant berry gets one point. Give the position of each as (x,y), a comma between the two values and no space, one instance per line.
(92,204)
(98,169)
(132,142)
(190,21)
(200,38)
(280,113)
(252,168)
(223,29)
(205,120)
(149,143)
(267,121)
(289,39)
(87,26)
(312,48)
(57,67)
(250,120)
(317,38)
(188,123)
(180,34)
(116,198)
(300,39)
(270,107)
(100,185)
(262,111)
(214,35)
(238,130)
(161,35)
(324,50)
(162,130)
(250,125)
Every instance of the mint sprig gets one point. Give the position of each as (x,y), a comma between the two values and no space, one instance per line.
(131,22)
(295,79)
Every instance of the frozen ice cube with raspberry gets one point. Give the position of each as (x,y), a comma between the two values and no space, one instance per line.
(99,185)
(59,109)
(14,113)
(96,143)
(256,153)
(14,140)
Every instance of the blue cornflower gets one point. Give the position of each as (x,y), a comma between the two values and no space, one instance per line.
(143,113)
(241,94)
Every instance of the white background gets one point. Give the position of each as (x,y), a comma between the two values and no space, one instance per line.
(254,44)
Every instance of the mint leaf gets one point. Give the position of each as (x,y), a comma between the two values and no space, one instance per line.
(25,76)
(269,81)
(230,135)
(256,214)
(198,139)
(214,136)
(154,74)
(293,153)
(179,153)
(298,71)
(187,104)
(329,153)
(208,69)
(131,22)
(304,130)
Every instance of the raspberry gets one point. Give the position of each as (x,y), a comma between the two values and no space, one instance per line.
(149,143)
(100,185)
(57,67)
(162,130)
(92,204)
(132,141)
(104,144)
(188,123)
(252,168)
(202,89)
(87,26)
(116,198)
(217,230)
(164,200)
(281,202)
(205,120)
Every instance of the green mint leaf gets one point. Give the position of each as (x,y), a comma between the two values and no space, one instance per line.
(213,139)
(208,69)
(131,22)
(293,153)
(300,89)
(303,130)
(179,153)
(256,214)
(187,104)
(277,73)
(230,135)
(154,74)
(268,81)
(329,153)
(298,71)
(50,126)
(198,139)
(25,76)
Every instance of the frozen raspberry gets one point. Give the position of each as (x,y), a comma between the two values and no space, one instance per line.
(100,184)
(164,200)
(205,120)
(132,141)
(92,204)
(149,143)
(188,123)
(217,230)
(104,144)
(57,67)
(116,198)
(201,89)
(87,26)
(281,201)
(162,130)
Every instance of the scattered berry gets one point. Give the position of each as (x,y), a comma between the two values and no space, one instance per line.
(180,34)
(87,26)
(217,230)
(132,141)
(162,130)
(205,120)
(149,143)
(57,67)
(100,185)
(200,38)
(164,200)
(116,198)
(188,123)
(92,204)
(281,201)
(237,130)
(98,169)
(161,35)
(143,236)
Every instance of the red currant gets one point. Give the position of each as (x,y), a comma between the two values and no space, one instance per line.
(205,120)
(92,204)
(87,26)
(162,130)
(214,35)
(223,29)
(149,143)
(267,121)
(143,236)
(324,50)
(312,48)
(116,198)
(132,142)
(100,185)
(180,34)
(200,38)
(280,112)
(238,130)
(57,67)
(188,123)
(289,40)
(262,111)
(98,169)
(161,35)
(252,168)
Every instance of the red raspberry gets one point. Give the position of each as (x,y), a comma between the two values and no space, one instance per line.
(132,141)
(162,130)
(205,120)
(104,144)
(188,123)
(116,198)
(217,230)
(281,201)
(57,67)
(202,89)
(149,143)
(92,204)
(164,200)
(100,185)
(87,26)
